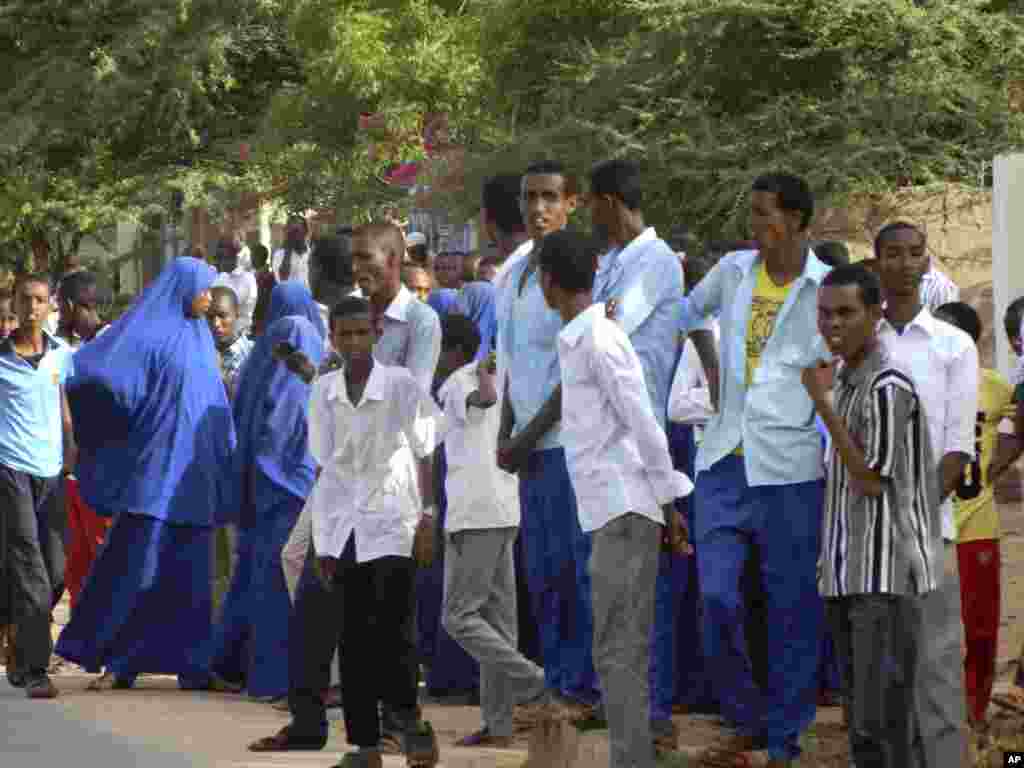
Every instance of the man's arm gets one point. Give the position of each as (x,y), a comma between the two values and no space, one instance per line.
(70,447)
(704,342)
(960,417)
(486,393)
(424,349)
(512,453)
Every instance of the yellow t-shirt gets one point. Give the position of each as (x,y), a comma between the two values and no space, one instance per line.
(765,304)
(974,499)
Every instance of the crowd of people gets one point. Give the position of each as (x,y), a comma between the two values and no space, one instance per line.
(592,479)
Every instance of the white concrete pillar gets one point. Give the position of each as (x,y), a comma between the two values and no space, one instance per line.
(1007,246)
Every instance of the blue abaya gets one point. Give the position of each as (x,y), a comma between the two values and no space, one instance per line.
(155,438)
(274,474)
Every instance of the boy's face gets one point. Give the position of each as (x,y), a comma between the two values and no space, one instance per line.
(545,206)
(82,316)
(845,322)
(373,264)
(771,225)
(902,262)
(448,269)
(222,317)
(33,305)
(1013,335)
(353,338)
(8,319)
(418,281)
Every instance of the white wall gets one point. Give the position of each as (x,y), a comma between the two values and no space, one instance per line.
(1007,246)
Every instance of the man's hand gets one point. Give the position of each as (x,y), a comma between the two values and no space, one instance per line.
(326,570)
(424,543)
(511,455)
(295,361)
(676,537)
(818,380)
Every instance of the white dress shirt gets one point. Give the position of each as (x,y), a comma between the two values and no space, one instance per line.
(368,485)
(690,399)
(243,283)
(943,362)
(300,266)
(937,289)
(616,451)
(480,495)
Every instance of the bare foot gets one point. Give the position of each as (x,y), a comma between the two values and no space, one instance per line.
(105,682)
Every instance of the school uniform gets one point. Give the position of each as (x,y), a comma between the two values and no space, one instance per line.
(365,508)
(943,362)
(879,555)
(31,459)
(622,475)
(557,549)
(761,458)
(482,524)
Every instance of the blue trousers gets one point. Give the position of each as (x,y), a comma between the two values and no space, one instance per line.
(783,525)
(557,552)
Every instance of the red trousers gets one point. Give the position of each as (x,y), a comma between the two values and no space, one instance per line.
(86,532)
(979,599)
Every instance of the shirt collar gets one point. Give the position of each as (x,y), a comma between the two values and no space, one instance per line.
(50,343)
(814,270)
(574,329)
(517,256)
(869,365)
(924,320)
(374,390)
(398,309)
(626,253)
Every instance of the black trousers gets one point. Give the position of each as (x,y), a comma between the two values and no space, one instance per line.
(319,621)
(28,590)
(379,657)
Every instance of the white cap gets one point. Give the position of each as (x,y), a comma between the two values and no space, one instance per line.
(415,238)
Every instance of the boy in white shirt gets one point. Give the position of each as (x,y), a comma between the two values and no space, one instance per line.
(479,610)
(625,487)
(372,430)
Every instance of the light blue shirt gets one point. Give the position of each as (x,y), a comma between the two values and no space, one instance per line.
(31,415)
(774,418)
(646,279)
(527,344)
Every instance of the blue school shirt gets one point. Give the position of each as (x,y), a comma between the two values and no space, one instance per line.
(31,417)
(774,417)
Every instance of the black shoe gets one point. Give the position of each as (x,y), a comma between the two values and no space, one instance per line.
(15,678)
(421,747)
(364,758)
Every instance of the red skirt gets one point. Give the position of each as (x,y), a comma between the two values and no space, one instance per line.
(86,533)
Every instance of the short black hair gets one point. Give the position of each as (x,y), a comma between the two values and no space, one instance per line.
(570,259)
(963,316)
(222,291)
(895,226)
(862,277)
(459,331)
(831,252)
(350,306)
(1013,316)
(501,200)
(618,178)
(794,194)
(571,185)
(260,255)
(74,285)
(333,257)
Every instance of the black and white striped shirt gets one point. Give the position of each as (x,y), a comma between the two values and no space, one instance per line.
(892,543)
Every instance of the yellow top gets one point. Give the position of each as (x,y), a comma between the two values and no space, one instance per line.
(974,499)
(767,300)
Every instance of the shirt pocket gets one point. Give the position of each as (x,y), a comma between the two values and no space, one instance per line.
(777,396)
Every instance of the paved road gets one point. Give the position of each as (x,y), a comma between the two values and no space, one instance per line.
(47,734)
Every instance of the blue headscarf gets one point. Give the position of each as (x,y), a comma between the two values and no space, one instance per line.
(293,298)
(476,301)
(270,416)
(442,300)
(152,419)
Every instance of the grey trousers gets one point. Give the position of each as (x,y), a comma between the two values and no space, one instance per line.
(27,587)
(479,612)
(623,571)
(940,740)
(877,654)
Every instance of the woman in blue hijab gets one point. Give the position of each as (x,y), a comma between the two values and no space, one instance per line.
(155,438)
(476,301)
(293,298)
(273,473)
